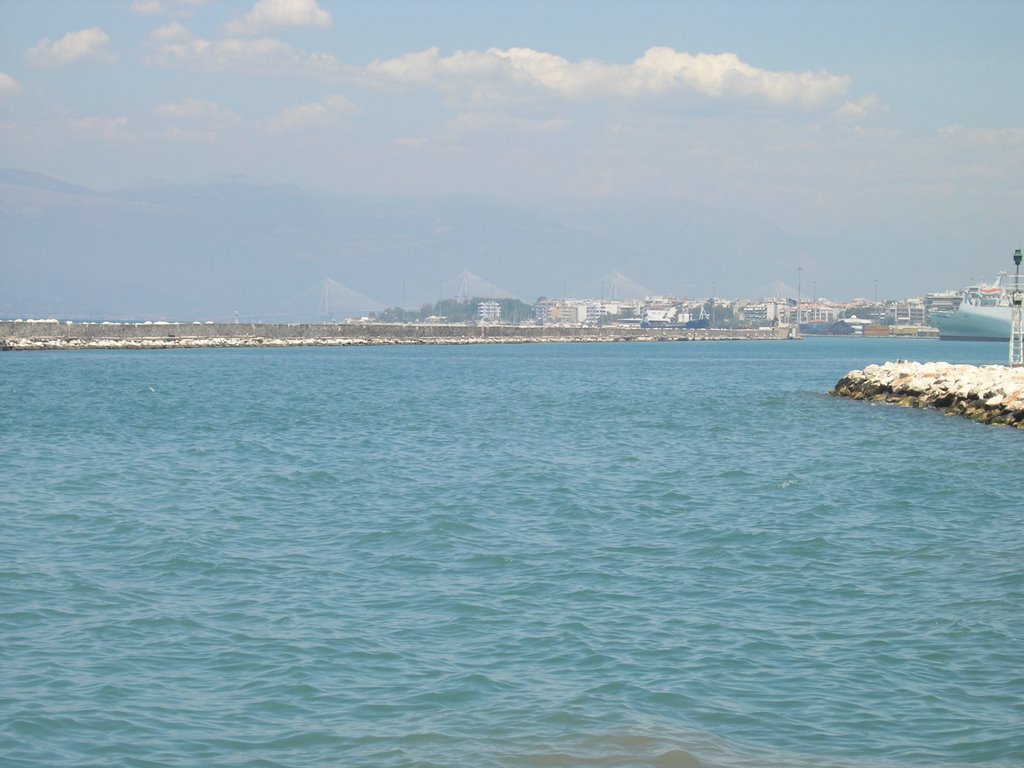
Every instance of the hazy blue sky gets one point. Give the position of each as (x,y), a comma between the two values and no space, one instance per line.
(820,117)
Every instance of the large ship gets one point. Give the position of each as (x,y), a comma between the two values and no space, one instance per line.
(983,314)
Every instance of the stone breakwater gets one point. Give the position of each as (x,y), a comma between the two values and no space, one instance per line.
(991,394)
(41,335)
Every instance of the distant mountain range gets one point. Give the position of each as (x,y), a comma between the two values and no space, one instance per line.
(265,252)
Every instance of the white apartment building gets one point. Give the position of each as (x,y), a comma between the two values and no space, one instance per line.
(910,312)
(489,312)
(818,312)
(562,312)
(660,313)
(763,313)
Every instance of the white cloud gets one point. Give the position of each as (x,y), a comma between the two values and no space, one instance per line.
(74,46)
(412,142)
(205,120)
(663,69)
(8,85)
(659,71)
(862,109)
(196,120)
(497,122)
(267,14)
(157,7)
(419,67)
(106,128)
(303,116)
(147,7)
(195,109)
(169,33)
(174,45)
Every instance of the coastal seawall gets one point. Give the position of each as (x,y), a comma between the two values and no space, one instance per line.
(35,335)
(991,394)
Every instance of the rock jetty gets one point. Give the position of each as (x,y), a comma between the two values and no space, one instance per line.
(51,334)
(991,394)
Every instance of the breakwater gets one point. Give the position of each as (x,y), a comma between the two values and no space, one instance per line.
(38,335)
(991,394)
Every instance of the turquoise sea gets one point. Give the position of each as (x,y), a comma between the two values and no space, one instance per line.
(662,554)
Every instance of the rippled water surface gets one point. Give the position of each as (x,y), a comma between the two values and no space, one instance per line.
(679,554)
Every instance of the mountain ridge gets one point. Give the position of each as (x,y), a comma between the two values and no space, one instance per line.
(207,251)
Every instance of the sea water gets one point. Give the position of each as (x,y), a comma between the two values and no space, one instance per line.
(649,554)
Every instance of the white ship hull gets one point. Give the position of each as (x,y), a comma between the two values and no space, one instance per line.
(974,323)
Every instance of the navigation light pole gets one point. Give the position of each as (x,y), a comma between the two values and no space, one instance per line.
(1016,324)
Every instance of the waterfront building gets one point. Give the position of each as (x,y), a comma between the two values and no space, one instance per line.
(618,311)
(660,314)
(763,313)
(667,310)
(489,312)
(561,312)
(819,312)
(907,312)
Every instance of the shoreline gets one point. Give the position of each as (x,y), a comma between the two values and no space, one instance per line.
(991,394)
(54,335)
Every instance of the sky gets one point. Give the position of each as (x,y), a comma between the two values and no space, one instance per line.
(842,121)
